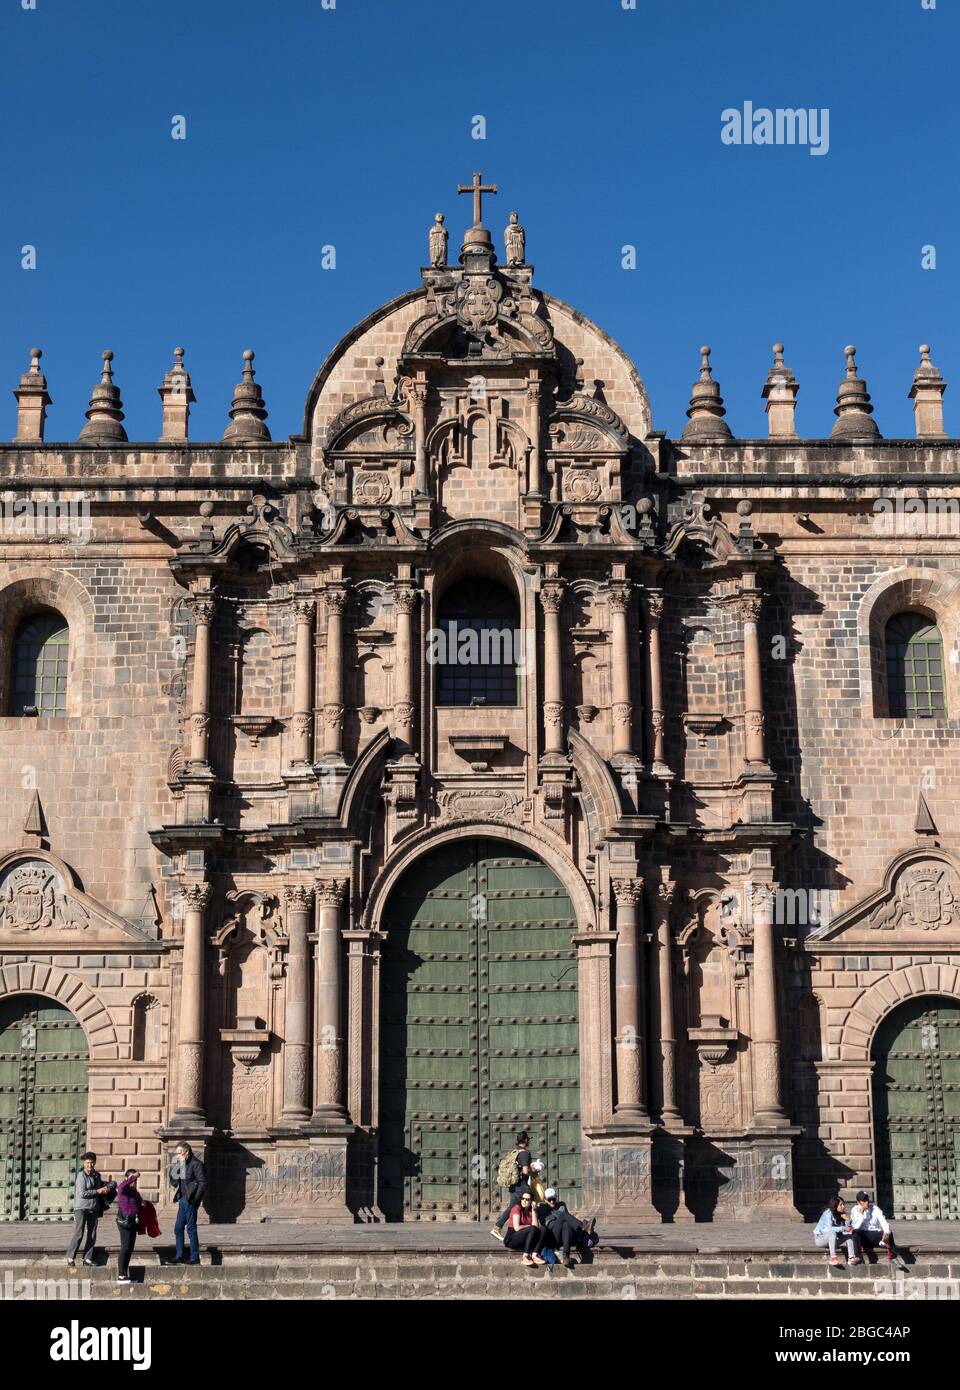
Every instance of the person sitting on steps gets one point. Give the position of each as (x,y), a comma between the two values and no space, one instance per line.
(564,1230)
(872,1229)
(524,1231)
(833,1225)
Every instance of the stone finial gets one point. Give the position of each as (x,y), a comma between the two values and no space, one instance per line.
(247,413)
(515,241)
(35,826)
(927,396)
(706,410)
(924,823)
(32,400)
(853,408)
(177,395)
(780,392)
(106,410)
(438,242)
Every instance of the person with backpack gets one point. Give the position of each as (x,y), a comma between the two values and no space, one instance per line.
(129,1204)
(513,1174)
(88,1192)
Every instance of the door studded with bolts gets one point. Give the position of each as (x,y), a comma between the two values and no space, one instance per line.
(916,1104)
(479,1031)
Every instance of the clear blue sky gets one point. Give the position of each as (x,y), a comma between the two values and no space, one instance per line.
(352,127)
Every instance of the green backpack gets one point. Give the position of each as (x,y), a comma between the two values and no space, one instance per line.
(509,1169)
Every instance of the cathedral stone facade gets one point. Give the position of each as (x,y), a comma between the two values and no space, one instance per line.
(477,759)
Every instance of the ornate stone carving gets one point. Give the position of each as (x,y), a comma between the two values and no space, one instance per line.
(406,599)
(551,595)
(331,892)
(751,606)
(333,716)
(438,242)
(191,1068)
(622,715)
(654,605)
(199,723)
(335,600)
(298,897)
(619,595)
(32,898)
(553,714)
(302,725)
(371,488)
(303,610)
(627,890)
(477,301)
(484,804)
(196,896)
(202,609)
(756,721)
(927,897)
(581,485)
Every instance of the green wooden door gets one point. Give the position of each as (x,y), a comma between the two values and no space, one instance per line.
(479,1031)
(916,1099)
(43,1108)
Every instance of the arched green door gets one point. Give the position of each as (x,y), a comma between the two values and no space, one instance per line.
(43,1108)
(916,1107)
(479,1031)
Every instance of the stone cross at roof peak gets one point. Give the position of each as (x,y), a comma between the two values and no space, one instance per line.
(477,188)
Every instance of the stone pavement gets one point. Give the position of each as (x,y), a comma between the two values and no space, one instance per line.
(775,1237)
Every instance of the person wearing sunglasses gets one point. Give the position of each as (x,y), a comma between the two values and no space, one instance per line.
(524,1231)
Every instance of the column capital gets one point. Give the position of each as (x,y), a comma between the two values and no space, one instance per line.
(203,608)
(335,599)
(750,604)
(627,891)
(653,603)
(551,595)
(331,892)
(406,598)
(304,610)
(298,897)
(196,896)
(619,592)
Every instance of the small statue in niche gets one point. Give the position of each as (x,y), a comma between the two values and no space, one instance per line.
(515,240)
(438,242)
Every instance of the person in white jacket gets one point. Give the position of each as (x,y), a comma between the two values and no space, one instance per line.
(871,1228)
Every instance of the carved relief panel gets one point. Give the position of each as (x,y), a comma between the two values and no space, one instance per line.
(248,1002)
(713,1039)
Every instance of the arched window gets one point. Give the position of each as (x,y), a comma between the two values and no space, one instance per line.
(914,654)
(41,649)
(476,646)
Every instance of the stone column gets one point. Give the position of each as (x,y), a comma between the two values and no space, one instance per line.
(189,1109)
(551,597)
(417,398)
(406,599)
(203,607)
(670,1111)
(302,742)
(750,605)
(631,1052)
(335,600)
(768,1111)
(328,1103)
(654,608)
(533,403)
(622,704)
(296,1047)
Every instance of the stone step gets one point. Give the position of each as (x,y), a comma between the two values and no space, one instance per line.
(613,1274)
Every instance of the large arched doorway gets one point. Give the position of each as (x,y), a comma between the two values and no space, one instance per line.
(916,1108)
(43,1108)
(479,1030)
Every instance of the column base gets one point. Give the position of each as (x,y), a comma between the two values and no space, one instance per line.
(617,1174)
(742,1177)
